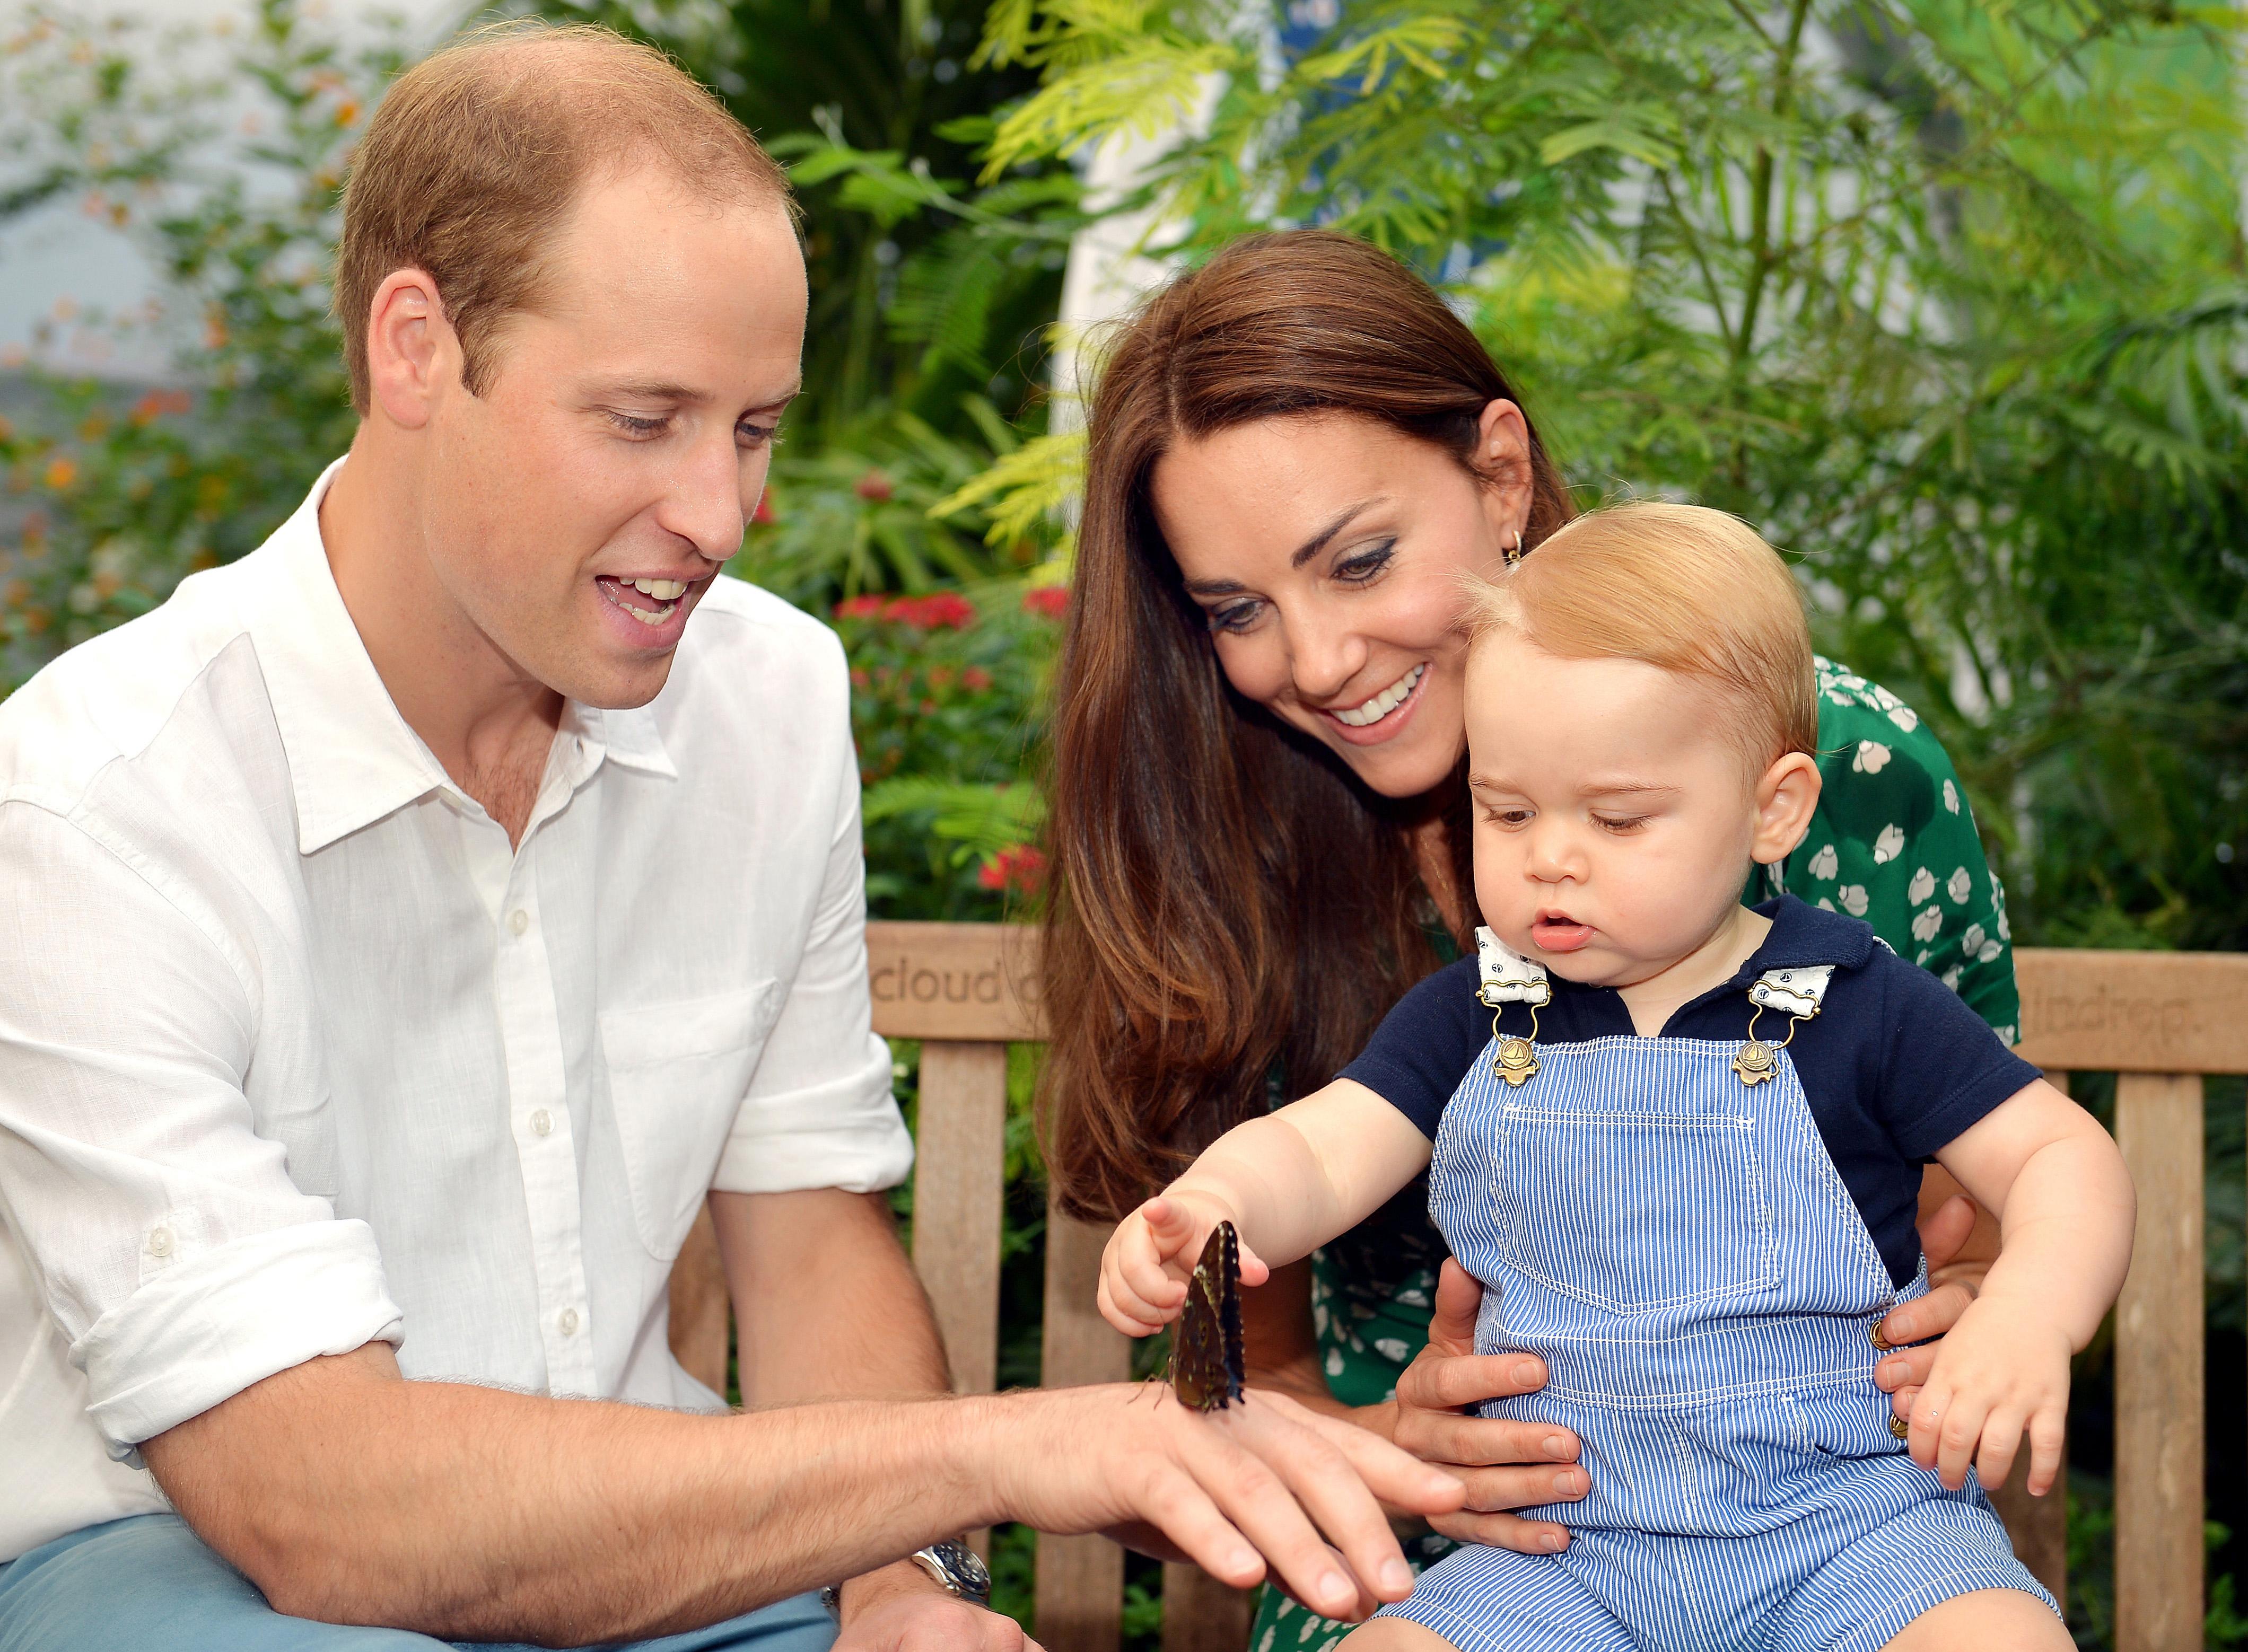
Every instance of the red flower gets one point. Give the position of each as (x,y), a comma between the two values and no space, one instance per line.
(859,608)
(874,486)
(1048,602)
(764,514)
(857,676)
(941,611)
(976,679)
(1018,870)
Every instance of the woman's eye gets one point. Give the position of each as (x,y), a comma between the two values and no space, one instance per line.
(641,427)
(1361,565)
(757,435)
(1234,616)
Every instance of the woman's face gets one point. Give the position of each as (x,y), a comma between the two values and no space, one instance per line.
(1326,552)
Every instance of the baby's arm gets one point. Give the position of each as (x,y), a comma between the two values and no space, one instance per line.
(2066,1207)
(1289,1182)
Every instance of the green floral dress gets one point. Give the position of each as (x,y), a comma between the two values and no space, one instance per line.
(1892,842)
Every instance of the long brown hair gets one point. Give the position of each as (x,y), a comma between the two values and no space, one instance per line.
(1227,896)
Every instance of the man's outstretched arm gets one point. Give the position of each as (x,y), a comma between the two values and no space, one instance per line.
(348,1494)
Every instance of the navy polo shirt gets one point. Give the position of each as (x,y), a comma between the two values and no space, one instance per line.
(1894,1065)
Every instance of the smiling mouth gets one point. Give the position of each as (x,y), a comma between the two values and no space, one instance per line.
(649,601)
(1373,711)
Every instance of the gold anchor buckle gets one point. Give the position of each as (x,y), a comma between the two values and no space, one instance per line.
(1516,1059)
(1515,1063)
(1757,1060)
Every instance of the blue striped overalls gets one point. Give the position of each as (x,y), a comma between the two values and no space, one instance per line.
(1678,1248)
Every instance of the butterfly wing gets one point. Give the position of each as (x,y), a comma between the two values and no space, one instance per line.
(1206,1356)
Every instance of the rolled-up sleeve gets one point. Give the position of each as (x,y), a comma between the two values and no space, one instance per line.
(819,1112)
(170,1244)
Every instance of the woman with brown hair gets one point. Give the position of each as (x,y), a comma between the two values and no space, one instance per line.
(1258,821)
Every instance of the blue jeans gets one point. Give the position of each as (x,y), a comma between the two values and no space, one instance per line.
(150,1583)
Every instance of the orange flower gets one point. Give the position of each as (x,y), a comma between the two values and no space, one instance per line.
(61,473)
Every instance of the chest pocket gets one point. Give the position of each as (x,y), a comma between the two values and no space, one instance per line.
(1633,1211)
(677,1074)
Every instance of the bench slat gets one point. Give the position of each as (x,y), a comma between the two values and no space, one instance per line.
(2133,1012)
(2159,1448)
(1080,1579)
(959,1188)
(1201,1615)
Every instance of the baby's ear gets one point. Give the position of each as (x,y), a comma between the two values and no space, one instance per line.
(1785,797)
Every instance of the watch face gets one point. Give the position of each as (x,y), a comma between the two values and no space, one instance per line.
(964,1569)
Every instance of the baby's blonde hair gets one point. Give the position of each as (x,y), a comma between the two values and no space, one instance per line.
(1688,590)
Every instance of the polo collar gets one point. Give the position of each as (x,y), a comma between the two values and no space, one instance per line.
(353,758)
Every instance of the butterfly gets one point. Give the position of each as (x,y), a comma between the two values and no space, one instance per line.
(1206,1369)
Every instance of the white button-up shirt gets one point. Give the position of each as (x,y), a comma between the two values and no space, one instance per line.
(298,1053)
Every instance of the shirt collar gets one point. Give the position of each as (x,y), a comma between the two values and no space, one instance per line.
(628,736)
(353,758)
(1803,935)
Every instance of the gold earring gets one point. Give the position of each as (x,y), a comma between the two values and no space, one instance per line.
(1515,556)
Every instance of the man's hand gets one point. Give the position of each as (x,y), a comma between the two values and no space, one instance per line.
(901,1609)
(1151,1254)
(1503,1465)
(1265,1483)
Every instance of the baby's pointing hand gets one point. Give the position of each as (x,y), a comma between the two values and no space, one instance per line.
(1151,1256)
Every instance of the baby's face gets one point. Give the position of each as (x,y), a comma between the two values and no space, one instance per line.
(1615,815)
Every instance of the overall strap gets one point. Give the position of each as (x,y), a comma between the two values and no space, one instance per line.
(1798,993)
(1506,978)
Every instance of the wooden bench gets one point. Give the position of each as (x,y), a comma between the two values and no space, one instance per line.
(2158,1019)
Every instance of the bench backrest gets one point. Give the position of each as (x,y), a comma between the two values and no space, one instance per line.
(2159,1020)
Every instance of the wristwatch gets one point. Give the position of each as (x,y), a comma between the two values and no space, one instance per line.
(959,1570)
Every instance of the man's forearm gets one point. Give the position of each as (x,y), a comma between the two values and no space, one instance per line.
(474,1513)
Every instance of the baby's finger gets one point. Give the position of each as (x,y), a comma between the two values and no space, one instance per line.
(2001,1441)
(2048,1443)
(1126,1313)
(1956,1438)
(1925,1418)
(1169,1224)
(1253,1271)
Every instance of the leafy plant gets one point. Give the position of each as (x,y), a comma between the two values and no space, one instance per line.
(119,490)
(1946,298)
(945,692)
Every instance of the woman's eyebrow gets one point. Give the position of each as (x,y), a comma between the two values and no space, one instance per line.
(1213,587)
(1318,542)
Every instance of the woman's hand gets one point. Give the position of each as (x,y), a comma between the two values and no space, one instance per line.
(1503,1464)
(1954,1271)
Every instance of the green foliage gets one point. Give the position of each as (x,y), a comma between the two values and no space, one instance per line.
(1948,298)
(921,292)
(120,492)
(945,692)
(851,514)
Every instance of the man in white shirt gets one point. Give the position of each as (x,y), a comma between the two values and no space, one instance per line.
(403,929)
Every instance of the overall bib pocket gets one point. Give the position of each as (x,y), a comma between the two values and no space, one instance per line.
(1633,1213)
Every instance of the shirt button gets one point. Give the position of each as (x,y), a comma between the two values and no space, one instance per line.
(541,1123)
(517,921)
(160,1242)
(568,1322)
